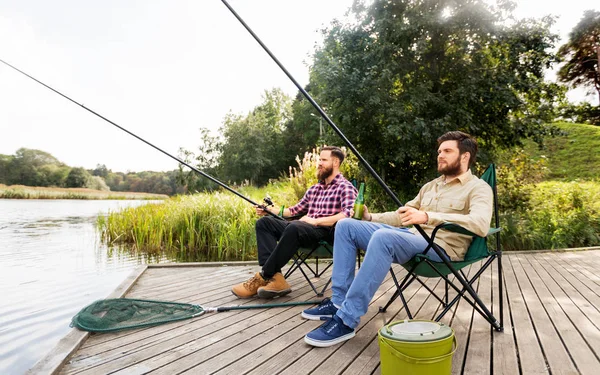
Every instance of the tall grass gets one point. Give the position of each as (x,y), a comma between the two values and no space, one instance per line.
(201,227)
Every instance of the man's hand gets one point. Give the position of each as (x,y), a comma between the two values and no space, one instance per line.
(261,210)
(411,216)
(366,215)
(309,220)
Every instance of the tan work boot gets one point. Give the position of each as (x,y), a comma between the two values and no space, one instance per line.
(276,287)
(248,288)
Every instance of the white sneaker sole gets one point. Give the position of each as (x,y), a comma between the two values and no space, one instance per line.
(325,344)
(315,317)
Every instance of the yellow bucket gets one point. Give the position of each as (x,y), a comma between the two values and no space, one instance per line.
(420,347)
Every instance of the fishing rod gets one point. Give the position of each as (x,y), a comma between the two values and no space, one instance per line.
(216,181)
(435,247)
(318,108)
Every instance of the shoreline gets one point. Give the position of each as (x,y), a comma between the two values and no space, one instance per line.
(37,192)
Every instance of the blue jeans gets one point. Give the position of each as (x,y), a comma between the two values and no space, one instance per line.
(384,244)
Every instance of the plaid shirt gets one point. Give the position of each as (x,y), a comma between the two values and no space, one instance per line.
(327,200)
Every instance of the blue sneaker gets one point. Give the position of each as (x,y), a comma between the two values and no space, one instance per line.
(332,332)
(326,309)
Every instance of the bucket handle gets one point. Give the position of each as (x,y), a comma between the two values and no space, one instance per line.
(414,360)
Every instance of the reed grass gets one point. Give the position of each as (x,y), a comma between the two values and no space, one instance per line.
(31,192)
(201,227)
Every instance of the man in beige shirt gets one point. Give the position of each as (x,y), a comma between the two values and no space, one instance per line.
(456,196)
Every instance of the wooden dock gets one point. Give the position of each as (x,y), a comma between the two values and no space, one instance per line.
(551,321)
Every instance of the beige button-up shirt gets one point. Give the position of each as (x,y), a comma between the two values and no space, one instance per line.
(466,201)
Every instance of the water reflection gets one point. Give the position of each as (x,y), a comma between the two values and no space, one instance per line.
(52,264)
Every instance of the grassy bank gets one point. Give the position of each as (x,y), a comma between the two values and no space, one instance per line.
(574,156)
(30,192)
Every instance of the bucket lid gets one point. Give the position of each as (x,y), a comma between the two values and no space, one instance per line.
(416,331)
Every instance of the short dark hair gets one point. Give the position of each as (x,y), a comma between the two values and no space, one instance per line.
(336,152)
(466,143)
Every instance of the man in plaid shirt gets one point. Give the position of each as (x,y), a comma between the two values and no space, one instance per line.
(326,202)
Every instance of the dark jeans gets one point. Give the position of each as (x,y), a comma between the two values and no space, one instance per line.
(278,240)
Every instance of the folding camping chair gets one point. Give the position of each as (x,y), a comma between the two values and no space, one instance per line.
(322,250)
(422,266)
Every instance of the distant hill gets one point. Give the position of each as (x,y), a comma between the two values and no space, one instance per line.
(574,156)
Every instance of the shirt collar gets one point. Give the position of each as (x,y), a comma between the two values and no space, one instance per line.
(463,178)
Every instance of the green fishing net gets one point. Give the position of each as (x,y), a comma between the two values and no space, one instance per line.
(124,313)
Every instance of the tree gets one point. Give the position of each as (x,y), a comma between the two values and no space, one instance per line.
(207,160)
(34,168)
(409,70)
(101,171)
(5,164)
(253,146)
(582,54)
(77,178)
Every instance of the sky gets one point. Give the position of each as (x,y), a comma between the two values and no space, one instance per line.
(161,69)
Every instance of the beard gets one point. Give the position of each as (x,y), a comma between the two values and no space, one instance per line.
(450,169)
(324,173)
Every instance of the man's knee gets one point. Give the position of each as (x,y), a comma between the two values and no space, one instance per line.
(264,222)
(382,240)
(344,226)
(292,228)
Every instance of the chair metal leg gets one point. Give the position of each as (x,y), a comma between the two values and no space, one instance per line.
(500,292)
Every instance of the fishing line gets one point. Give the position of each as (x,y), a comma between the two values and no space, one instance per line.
(222,184)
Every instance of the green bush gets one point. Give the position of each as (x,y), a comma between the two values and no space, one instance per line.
(561,215)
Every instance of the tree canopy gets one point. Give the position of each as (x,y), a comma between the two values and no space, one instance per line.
(409,70)
(39,168)
(581,54)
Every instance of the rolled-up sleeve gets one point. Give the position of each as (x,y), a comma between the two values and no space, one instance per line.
(347,198)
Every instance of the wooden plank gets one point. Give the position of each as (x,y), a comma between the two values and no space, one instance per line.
(290,355)
(586,270)
(531,359)
(55,360)
(583,342)
(461,324)
(478,358)
(271,349)
(504,350)
(189,281)
(556,354)
(577,348)
(586,300)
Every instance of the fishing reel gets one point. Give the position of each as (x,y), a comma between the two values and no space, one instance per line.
(268,202)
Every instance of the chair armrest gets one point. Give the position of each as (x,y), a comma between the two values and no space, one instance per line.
(458,229)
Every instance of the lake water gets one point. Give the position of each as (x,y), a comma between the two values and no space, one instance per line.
(52,264)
